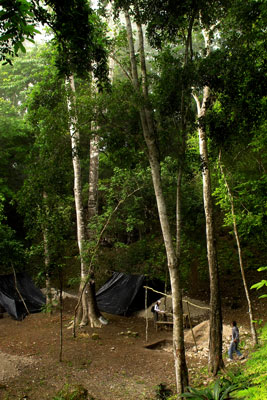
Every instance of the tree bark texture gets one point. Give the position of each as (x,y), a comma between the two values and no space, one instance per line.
(48,294)
(81,235)
(93,181)
(185,103)
(215,333)
(150,140)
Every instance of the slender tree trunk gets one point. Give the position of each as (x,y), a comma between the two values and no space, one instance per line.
(81,236)
(215,334)
(149,136)
(48,293)
(181,150)
(93,181)
(179,212)
(250,309)
(181,157)
(93,311)
(47,264)
(61,317)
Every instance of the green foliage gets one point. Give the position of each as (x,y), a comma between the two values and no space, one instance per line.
(80,39)
(261,284)
(17,23)
(13,143)
(132,189)
(162,392)
(43,180)
(248,383)
(251,209)
(13,148)
(18,78)
(119,127)
(73,392)
(253,376)
(221,391)
(79,32)
(45,199)
(11,250)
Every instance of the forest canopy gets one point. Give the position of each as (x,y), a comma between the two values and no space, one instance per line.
(109,130)
(34,125)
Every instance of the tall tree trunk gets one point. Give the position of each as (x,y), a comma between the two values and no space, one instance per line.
(93,181)
(179,212)
(250,309)
(81,235)
(150,140)
(215,334)
(93,311)
(181,150)
(47,263)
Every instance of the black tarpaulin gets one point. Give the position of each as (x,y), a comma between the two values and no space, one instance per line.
(124,294)
(10,299)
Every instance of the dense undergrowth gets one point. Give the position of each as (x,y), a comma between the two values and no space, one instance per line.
(253,376)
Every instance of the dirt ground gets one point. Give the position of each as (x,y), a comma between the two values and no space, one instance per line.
(115,365)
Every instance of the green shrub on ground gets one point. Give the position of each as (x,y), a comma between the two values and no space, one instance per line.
(254,373)
(248,381)
(162,392)
(221,390)
(73,392)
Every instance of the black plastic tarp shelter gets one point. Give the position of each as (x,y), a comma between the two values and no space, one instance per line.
(10,299)
(124,294)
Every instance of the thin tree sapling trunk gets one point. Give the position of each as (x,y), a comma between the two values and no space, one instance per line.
(240,256)
(48,287)
(93,182)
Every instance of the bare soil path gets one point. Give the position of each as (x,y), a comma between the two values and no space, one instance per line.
(115,366)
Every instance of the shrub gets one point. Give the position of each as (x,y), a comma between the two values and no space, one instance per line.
(73,392)
(220,391)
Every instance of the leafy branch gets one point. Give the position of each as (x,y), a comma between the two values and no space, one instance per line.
(94,254)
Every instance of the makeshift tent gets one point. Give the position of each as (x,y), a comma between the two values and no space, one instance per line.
(10,299)
(124,294)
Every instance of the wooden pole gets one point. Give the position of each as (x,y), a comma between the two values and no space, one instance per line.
(146,316)
(191,326)
(61,316)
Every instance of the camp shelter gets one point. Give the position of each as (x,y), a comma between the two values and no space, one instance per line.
(10,299)
(124,294)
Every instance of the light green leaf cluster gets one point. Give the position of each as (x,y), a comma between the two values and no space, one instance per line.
(254,374)
(261,284)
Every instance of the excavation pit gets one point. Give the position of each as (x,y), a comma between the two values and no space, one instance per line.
(163,345)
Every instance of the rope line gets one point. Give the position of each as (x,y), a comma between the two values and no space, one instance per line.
(169,295)
(195,305)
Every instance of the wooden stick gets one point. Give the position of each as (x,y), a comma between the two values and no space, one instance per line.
(191,326)
(16,287)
